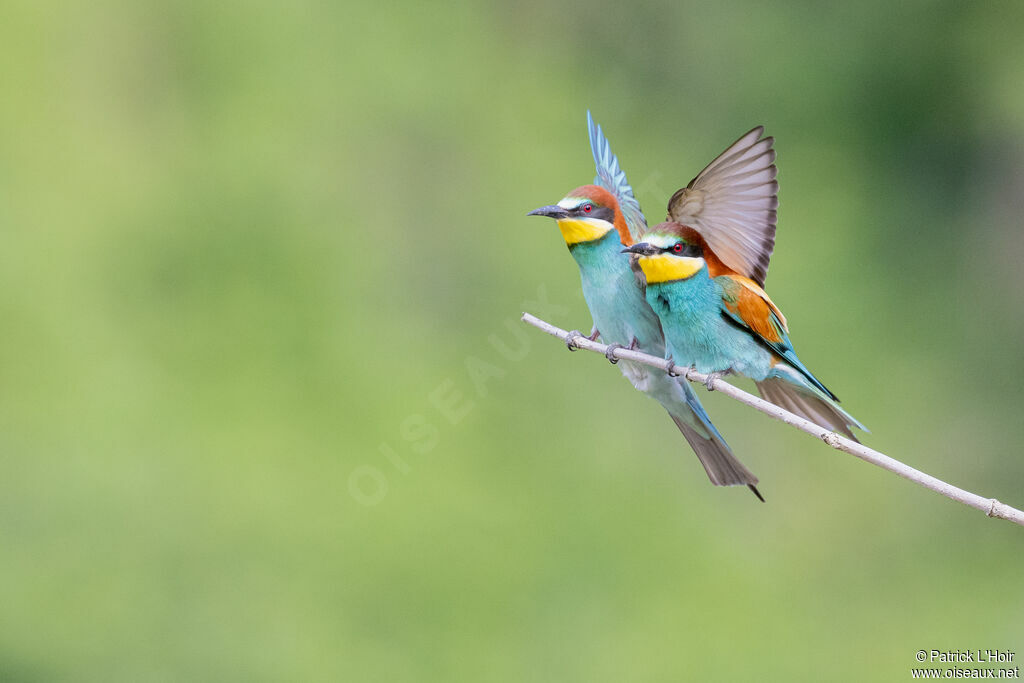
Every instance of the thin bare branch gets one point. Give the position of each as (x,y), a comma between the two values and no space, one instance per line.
(990,506)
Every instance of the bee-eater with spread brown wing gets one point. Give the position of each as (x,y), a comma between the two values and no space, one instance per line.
(705,272)
(596,222)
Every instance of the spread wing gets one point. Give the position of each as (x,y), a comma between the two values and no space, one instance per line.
(732,204)
(612,178)
(747,305)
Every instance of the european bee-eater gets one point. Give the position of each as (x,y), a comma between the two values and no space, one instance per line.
(718,321)
(596,222)
(730,207)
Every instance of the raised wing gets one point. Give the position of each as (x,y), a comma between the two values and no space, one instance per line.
(747,305)
(732,204)
(612,178)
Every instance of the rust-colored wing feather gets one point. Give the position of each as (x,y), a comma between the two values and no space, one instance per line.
(749,304)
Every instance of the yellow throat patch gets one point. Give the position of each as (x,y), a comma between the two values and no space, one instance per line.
(576,230)
(666,267)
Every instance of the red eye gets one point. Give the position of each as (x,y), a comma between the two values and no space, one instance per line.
(587,208)
(677,248)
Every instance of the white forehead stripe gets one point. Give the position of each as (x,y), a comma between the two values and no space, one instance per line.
(570,203)
(659,240)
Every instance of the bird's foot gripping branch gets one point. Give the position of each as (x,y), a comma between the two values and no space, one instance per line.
(990,506)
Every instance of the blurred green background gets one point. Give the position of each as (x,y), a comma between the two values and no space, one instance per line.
(266,411)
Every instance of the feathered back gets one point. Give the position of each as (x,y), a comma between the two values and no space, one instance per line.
(732,204)
(611,177)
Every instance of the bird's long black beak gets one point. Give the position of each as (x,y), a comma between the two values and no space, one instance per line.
(642,249)
(552,211)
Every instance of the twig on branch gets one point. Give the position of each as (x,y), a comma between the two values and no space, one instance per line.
(990,506)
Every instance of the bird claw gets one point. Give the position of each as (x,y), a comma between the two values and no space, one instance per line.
(609,353)
(709,380)
(570,340)
(669,364)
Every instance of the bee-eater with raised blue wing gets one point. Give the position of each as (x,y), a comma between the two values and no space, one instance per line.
(596,222)
(718,321)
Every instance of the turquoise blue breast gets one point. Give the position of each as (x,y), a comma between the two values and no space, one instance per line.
(697,333)
(614,295)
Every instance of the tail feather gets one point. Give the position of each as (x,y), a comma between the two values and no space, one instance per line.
(721,465)
(686,411)
(723,468)
(807,404)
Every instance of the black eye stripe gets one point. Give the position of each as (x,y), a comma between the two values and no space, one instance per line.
(690,250)
(602,212)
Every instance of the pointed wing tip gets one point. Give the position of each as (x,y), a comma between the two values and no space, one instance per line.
(751,137)
(598,142)
(754,137)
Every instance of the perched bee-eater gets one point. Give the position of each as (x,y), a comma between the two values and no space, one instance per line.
(718,321)
(596,222)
